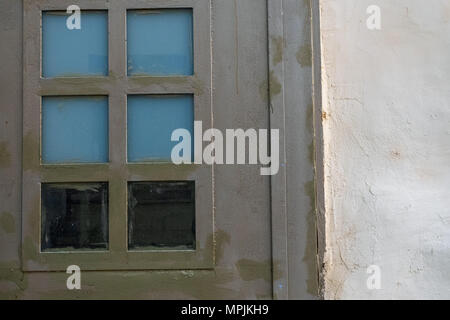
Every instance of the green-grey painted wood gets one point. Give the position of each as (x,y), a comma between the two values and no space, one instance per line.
(242,257)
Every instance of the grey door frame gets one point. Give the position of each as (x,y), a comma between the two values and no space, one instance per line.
(295,109)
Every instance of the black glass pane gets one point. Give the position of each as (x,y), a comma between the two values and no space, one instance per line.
(161,215)
(74,216)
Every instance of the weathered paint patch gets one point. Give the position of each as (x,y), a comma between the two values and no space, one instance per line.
(307,4)
(12,281)
(304,55)
(276,270)
(5,156)
(250,270)
(309,125)
(275,85)
(310,256)
(30,250)
(278,44)
(7,222)
(218,240)
(311,152)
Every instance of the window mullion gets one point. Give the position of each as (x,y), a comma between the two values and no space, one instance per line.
(117,129)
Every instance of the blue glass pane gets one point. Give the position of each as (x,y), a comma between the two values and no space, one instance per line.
(74,129)
(68,53)
(151,121)
(160,42)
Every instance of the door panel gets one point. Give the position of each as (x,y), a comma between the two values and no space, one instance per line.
(240,210)
(240,101)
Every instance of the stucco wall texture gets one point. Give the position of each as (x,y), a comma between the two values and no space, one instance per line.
(386,101)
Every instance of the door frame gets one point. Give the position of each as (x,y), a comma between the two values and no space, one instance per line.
(285,269)
(296,229)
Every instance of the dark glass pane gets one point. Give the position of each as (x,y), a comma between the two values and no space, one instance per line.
(74,216)
(161,215)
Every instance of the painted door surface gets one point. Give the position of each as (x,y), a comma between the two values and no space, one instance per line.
(225,81)
(85,121)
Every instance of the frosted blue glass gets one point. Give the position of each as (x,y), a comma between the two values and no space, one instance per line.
(68,53)
(151,121)
(74,129)
(160,42)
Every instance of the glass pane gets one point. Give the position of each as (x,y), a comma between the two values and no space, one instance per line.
(74,216)
(161,215)
(160,42)
(76,52)
(151,121)
(74,129)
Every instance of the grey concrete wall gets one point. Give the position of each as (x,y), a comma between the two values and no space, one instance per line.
(387,148)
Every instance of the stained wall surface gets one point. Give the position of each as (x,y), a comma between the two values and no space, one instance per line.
(387,148)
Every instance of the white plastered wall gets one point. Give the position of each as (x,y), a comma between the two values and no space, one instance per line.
(386,97)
